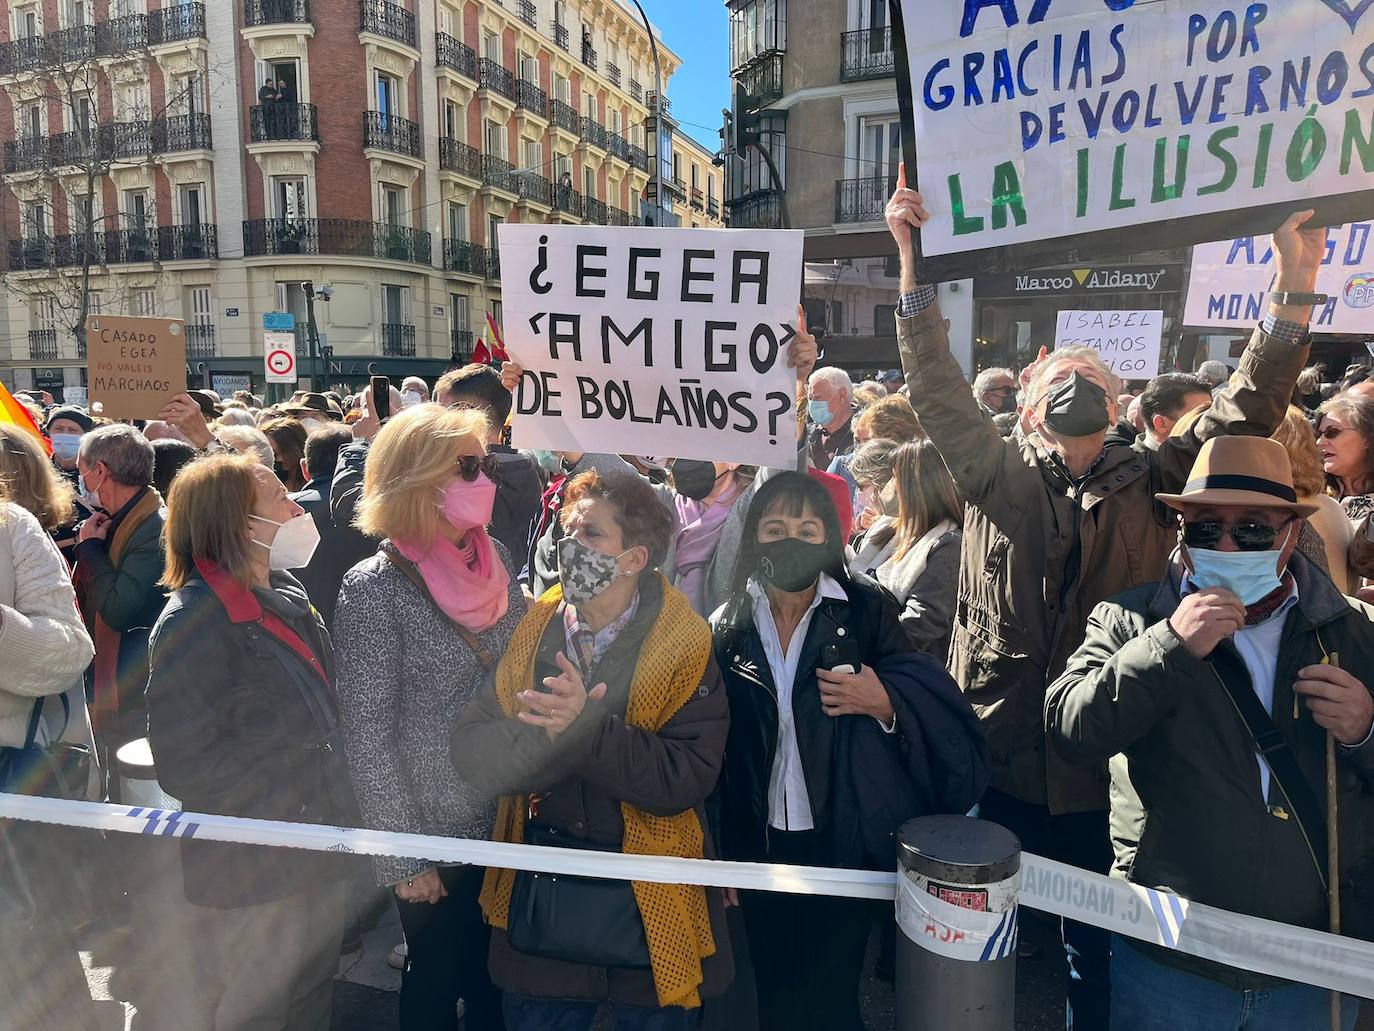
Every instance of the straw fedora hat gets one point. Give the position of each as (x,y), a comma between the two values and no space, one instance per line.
(1250,471)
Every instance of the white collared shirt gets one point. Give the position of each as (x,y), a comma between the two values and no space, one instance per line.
(1258,646)
(789,806)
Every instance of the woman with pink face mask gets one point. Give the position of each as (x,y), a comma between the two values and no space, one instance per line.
(419,628)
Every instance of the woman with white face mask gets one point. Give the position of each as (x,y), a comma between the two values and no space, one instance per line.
(419,627)
(243,721)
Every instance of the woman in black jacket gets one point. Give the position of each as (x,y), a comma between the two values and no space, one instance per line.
(827,693)
(243,722)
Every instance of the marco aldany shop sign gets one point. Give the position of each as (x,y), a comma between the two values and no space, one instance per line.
(1083,281)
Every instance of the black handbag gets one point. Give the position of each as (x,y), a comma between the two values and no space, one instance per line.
(587,920)
(57,770)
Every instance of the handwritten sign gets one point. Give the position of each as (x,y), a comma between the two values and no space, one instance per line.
(653,341)
(134,364)
(1070,120)
(1230,282)
(1128,341)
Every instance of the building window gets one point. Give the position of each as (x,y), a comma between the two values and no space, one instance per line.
(388,95)
(393,204)
(143,302)
(192,197)
(289,198)
(458,307)
(534,157)
(198,306)
(395,305)
(491,47)
(452,120)
(31,121)
(496,139)
(880,147)
(756,28)
(589,182)
(457,222)
(35,220)
(562,88)
(136,209)
(493,225)
(95,304)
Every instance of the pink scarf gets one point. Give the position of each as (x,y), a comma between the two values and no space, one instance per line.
(468,582)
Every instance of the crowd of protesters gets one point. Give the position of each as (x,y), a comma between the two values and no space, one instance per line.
(1042,599)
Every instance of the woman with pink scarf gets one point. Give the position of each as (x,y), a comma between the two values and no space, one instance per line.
(704,550)
(418,628)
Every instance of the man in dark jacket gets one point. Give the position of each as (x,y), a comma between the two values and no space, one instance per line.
(341,547)
(119,562)
(1173,682)
(1057,521)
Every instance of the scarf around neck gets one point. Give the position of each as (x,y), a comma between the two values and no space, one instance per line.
(468,581)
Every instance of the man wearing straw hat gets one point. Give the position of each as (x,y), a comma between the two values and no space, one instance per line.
(1242,641)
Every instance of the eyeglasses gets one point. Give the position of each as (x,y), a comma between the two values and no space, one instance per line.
(470,465)
(1332,432)
(1206,534)
(1004,391)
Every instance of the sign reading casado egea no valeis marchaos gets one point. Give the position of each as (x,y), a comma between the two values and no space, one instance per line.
(1040,119)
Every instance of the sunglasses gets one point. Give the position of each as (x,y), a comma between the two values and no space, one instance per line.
(469,466)
(1332,432)
(1206,534)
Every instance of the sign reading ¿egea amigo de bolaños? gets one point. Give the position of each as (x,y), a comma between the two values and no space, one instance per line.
(1038,119)
(653,341)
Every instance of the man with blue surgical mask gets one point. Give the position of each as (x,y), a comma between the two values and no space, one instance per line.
(64,428)
(1244,643)
(829,408)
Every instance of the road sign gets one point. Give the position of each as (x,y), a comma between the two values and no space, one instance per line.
(280,357)
(279,322)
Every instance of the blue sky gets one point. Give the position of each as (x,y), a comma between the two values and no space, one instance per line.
(698,31)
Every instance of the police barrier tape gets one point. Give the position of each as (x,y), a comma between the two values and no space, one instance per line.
(1249,943)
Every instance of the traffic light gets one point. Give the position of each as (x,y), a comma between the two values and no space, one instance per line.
(744,125)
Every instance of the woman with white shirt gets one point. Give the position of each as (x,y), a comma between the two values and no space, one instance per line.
(840,730)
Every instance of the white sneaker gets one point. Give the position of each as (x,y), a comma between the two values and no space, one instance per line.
(396,958)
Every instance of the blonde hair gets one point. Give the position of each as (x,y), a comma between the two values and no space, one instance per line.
(890,418)
(926,494)
(207,518)
(1296,436)
(409,462)
(30,481)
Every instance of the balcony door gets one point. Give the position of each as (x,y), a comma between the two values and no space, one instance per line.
(457,222)
(393,205)
(460,318)
(188,97)
(27,24)
(136,210)
(388,93)
(872,14)
(77,14)
(395,305)
(289,198)
(31,121)
(880,148)
(192,197)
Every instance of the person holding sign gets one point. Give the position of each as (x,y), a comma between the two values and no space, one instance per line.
(1058,521)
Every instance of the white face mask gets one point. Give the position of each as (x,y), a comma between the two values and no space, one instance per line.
(411,398)
(294,545)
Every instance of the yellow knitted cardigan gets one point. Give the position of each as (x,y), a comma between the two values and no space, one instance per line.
(670,667)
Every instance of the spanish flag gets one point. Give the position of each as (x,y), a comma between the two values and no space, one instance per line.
(12,413)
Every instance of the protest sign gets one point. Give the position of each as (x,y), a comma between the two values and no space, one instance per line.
(653,341)
(1230,281)
(1128,341)
(1046,127)
(134,364)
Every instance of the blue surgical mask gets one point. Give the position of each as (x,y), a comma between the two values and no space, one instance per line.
(1249,575)
(820,413)
(66,445)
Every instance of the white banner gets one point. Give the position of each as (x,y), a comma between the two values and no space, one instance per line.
(1128,341)
(1038,119)
(653,341)
(1229,285)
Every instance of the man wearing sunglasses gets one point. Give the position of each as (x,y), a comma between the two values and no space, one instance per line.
(1242,641)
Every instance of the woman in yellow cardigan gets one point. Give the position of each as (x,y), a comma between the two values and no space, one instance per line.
(606,731)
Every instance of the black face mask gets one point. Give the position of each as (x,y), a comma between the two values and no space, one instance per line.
(792,564)
(694,479)
(280,470)
(1077,407)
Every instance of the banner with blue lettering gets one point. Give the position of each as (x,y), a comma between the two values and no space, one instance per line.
(1229,285)
(1051,127)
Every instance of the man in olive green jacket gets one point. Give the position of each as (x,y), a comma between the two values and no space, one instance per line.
(1194,809)
(1057,521)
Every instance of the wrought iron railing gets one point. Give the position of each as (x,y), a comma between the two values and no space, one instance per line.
(560,36)
(127,246)
(276,12)
(388,20)
(182,132)
(762,79)
(564,116)
(200,340)
(492,76)
(618,147)
(460,344)
(492,263)
(759,210)
(530,97)
(867,54)
(73,44)
(269,236)
(596,212)
(613,73)
(496,172)
(389,132)
(618,218)
(119,37)
(398,340)
(637,90)
(534,188)
(594,133)
(465,256)
(658,103)
(43,345)
(568,201)
(862,200)
(188,243)
(459,157)
(33,252)
(454,53)
(271,122)
(26,54)
(529,14)
(26,154)
(639,158)
(589,55)
(176,23)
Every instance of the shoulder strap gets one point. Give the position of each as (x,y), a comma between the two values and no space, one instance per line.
(1283,765)
(407,567)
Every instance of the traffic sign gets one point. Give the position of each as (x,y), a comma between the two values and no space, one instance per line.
(279,359)
(279,322)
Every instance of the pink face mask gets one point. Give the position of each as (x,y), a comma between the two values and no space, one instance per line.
(468,505)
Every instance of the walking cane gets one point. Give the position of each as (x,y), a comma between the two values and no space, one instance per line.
(1333,848)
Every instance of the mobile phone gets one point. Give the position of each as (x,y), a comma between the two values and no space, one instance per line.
(381,398)
(841,656)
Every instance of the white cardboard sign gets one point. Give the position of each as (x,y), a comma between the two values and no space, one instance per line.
(653,341)
(1038,119)
(1129,341)
(1230,281)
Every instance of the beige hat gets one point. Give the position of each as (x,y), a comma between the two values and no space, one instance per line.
(1235,470)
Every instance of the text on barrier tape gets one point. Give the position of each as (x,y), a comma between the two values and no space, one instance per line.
(1248,943)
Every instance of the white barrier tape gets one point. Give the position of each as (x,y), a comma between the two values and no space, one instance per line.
(956,930)
(1248,943)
